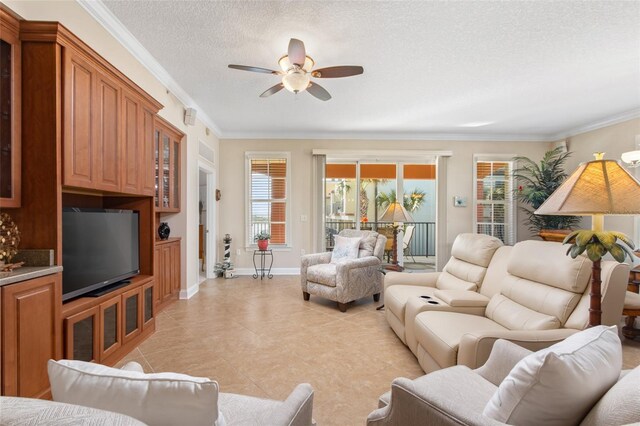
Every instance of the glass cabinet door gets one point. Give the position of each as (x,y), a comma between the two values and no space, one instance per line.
(175,165)
(166,172)
(110,330)
(82,335)
(156,149)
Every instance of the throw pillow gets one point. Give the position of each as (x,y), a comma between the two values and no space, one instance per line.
(345,248)
(559,385)
(368,244)
(155,399)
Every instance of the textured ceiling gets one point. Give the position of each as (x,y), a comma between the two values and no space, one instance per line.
(529,68)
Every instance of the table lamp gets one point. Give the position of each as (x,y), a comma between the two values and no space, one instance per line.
(397,214)
(597,188)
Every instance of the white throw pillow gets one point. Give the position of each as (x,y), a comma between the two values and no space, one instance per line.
(155,399)
(345,248)
(560,384)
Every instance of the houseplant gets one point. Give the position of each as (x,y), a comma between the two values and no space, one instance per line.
(412,200)
(536,182)
(263,240)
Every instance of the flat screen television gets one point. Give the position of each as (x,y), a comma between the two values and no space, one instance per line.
(99,248)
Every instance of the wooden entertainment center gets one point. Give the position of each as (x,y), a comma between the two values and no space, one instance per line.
(82,134)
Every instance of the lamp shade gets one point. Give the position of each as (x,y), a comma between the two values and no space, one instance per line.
(599,187)
(396,213)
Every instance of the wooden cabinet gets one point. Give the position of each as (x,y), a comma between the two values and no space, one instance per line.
(167,166)
(30,334)
(148,156)
(167,271)
(105,328)
(10,111)
(131,140)
(105,143)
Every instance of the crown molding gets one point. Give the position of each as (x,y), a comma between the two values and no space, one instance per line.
(400,136)
(607,121)
(112,24)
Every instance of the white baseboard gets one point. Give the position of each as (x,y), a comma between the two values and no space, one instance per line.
(274,271)
(189,292)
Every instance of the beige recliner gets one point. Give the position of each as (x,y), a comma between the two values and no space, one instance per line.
(466,271)
(349,280)
(543,298)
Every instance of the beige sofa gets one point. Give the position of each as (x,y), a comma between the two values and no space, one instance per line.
(531,294)
(458,395)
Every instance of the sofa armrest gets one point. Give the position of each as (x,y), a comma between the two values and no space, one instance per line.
(475,347)
(362,262)
(315,259)
(504,356)
(424,279)
(462,298)
(435,399)
(297,409)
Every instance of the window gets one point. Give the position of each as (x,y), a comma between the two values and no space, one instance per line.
(268,186)
(493,199)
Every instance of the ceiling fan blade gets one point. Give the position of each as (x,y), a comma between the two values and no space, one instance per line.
(318,91)
(253,69)
(337,72)
(296,52)
(272,90)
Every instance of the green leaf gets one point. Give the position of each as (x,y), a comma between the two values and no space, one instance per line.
(617,252)
(570,237)
(606,238)
(625,239)
(584,237)
(595,251)
(577,250)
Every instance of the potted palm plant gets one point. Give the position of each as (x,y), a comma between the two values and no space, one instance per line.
(536,182)
(263,240)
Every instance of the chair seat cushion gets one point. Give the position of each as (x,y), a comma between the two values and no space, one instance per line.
(395,297)
(632,300)
(323,273)
(440,333)
(246,410)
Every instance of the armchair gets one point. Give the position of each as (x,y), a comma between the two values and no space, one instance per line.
(348,280)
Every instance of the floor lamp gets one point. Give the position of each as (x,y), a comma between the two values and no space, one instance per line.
(397,214)
(597,188)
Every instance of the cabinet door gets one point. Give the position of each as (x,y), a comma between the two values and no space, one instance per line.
(175,267)
(158,161)
(174,196)
(148,308)
(110,326)
(131,150)
(158,274)
(147,158)
(131,314)
(78,154)
(82,332)
(106,141)
(10,111)
(166,271)
(30,334)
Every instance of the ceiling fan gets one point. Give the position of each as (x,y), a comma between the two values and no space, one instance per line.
(296,71)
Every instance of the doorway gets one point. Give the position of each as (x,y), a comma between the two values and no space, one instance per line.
(206,221)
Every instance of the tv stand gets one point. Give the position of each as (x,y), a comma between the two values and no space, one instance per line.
(108,289)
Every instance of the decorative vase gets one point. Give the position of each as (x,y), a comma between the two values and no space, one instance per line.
(263,244)
(164,231)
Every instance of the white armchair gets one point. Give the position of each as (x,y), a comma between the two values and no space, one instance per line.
(348,280)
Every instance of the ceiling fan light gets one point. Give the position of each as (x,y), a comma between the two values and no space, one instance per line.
(285,63)
(296,81)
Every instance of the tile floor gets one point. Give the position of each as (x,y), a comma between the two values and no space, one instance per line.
(260,338)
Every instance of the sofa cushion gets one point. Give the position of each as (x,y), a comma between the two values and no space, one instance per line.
(448,281)
(440,333)
(619,406)
(559,385)
(477,249)
(367,244)
(155,399)
(323,273)
(346,248)
(395,297)
(465,271)
(514,316)
(548,263)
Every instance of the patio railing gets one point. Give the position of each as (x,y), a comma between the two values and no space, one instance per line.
(423,242)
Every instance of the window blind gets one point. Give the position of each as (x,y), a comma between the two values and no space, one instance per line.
(268,198)
(494,204)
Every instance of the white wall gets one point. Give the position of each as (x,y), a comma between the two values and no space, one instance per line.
(459,182)
(76,19)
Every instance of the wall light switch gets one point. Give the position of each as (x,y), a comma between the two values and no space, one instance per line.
(303,217)
(238,252)
(459,201)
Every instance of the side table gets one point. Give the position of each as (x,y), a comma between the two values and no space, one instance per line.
(629,331)
(262,271)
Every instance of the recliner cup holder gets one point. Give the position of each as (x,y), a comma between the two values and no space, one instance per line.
(432,302)
(426,297)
